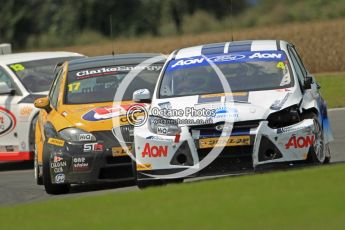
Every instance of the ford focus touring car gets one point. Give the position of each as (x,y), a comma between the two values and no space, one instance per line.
(230,106)
(23,78)
(75,141)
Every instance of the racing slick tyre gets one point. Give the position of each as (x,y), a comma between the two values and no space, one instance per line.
(328,155)
(142,184)
(158,182)
(38,177)
(316,154)
(50,188)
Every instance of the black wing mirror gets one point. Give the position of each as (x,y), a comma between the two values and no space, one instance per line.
(307,82)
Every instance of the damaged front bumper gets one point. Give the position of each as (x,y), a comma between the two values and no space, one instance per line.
(250,144)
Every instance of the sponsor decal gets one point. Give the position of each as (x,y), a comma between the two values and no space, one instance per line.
(157,138)
(96,147)
(17,67)
(80,164)
(300,141)
(9,148)
(154,151)
(85,137)
(238,57)
(104,113)
(294,129)
(238,96)
(222,142)
(60,178)
(57,142)
(225,112)
(188,62)
(25,110)
(58,166)
(7,121)
(225,128)
(278,104)
(108,112)
(142,167)
(119,151)
(162,130)
(229,57)
(266,55)
(112,70)
(57,159)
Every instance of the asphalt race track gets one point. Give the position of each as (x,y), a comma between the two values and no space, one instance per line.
(17,183)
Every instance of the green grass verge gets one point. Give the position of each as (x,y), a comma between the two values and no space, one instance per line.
(333,88)
(299,199)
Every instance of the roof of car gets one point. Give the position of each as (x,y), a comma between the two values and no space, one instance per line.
(118,59)
(32,56)
(228,47)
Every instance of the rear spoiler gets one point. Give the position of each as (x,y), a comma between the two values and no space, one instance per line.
(5,48)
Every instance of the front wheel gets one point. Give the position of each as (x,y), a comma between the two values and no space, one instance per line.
(38,177)
(51,188)
(316,154)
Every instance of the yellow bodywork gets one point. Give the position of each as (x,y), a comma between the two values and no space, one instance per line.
(66,115)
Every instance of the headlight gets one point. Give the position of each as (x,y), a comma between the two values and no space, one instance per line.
(285,117)
(75,134)
(163,126)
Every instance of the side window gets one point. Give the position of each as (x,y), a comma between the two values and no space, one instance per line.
(54,93)
(297,68)
(5,78)
(299,60)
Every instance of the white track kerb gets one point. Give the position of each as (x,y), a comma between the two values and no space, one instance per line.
(229,120)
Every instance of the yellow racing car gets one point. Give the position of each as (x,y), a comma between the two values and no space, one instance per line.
(75,141)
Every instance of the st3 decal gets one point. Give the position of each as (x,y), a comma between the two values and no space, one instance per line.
(7,121)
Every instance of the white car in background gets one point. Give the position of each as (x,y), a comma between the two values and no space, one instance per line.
(24,77)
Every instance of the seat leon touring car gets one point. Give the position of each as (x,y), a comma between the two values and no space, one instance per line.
(75,141)
(229,106)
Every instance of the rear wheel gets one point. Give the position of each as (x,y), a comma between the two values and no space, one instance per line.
(50,188)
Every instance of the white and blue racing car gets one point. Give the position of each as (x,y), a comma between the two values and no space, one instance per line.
(230,106)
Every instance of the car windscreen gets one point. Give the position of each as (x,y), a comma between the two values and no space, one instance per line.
(100,84)
(244,71)
(37,75)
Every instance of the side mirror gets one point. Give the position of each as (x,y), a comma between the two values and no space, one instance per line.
(307,82)
(142,96)
(43,103)
(5,89)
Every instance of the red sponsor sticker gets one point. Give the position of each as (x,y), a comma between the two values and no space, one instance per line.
(154,151)
(300,142)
